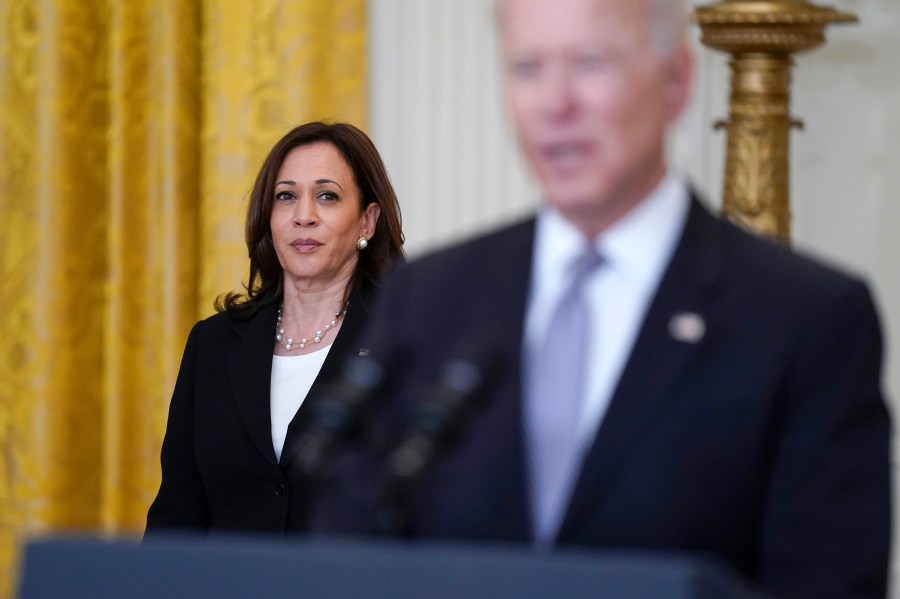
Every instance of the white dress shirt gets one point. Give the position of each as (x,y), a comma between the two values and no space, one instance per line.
(636,249)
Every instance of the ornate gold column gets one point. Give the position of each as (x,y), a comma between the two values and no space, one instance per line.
(761,36)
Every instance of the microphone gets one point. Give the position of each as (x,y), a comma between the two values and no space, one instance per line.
(439,419)
(336,415)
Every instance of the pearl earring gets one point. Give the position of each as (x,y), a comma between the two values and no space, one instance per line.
(362,243)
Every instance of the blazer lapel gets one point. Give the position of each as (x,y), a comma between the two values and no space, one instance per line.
(671,338)
(345,346)
(250,374)
(513,279)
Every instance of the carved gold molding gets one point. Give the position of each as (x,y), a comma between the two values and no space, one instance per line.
(761,36)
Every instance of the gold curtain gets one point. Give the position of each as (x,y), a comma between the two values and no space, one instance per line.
(130,133)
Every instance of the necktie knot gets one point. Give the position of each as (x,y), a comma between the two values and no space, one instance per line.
(584,264)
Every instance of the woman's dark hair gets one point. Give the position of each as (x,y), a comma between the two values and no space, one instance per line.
(264,285)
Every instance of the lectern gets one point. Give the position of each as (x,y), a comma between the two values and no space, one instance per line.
(251,568)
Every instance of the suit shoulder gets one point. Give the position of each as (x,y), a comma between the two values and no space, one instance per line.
(220,321)
(771,265)
(498,247)
(222,327)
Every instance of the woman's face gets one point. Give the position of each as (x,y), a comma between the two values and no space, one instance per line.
(316,218)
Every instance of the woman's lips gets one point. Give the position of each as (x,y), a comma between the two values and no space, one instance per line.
(305,245)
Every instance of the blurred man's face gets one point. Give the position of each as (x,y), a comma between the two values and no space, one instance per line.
(591,99)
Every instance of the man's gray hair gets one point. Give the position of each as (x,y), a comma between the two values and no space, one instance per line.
(668,24)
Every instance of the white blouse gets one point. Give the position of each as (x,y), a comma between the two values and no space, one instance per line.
(292,378)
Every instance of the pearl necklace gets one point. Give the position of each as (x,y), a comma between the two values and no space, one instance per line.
(291,345)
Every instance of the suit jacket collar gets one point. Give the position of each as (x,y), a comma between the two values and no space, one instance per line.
(660,360)
(511,267)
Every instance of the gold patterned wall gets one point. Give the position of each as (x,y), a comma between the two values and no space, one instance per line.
(130,133)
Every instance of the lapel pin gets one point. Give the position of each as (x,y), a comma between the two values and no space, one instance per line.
(687,327)
(363,352)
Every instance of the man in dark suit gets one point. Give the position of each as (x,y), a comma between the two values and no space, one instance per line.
(729,404)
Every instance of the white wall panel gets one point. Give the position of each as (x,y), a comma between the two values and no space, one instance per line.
(436,118)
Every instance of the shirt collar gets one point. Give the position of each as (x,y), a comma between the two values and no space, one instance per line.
(638,245)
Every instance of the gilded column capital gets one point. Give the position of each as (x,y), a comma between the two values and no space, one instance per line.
(788,26)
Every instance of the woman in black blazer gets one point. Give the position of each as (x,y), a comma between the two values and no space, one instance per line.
(322,226)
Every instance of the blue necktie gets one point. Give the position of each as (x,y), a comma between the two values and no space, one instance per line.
(556,370)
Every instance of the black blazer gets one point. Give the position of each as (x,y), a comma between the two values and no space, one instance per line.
(219,470)
(764,444)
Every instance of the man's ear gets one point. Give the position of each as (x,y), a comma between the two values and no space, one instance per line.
(679,81)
